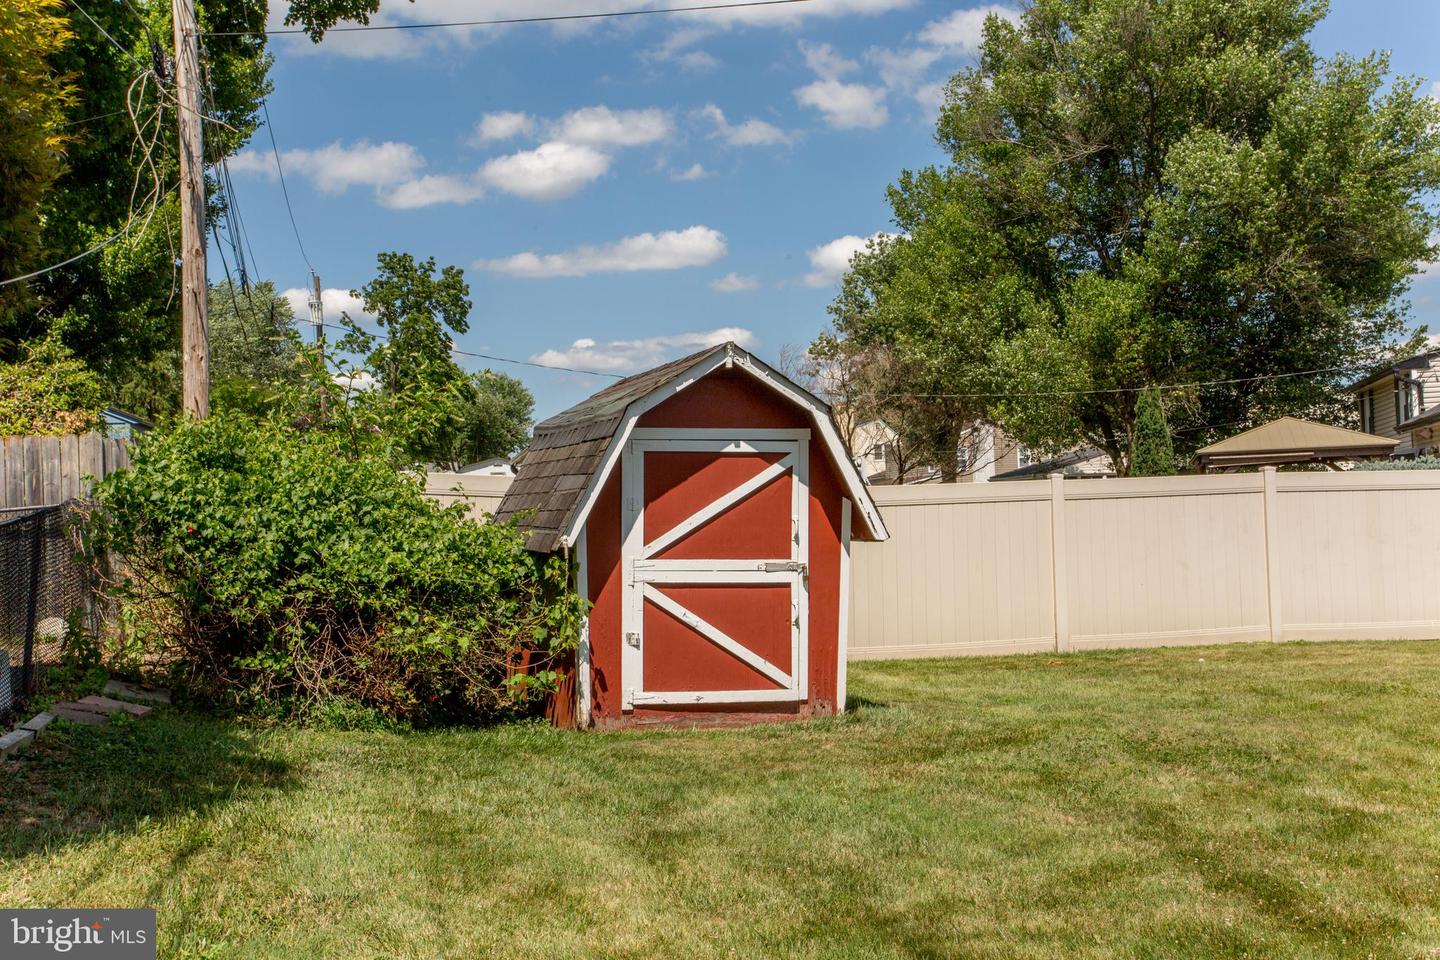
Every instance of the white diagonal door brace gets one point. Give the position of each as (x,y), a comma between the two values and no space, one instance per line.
(712,510)
(716,636)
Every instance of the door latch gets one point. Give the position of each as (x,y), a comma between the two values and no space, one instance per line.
(785,566)
(633,639)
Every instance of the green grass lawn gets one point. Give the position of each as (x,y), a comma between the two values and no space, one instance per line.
(1262,801)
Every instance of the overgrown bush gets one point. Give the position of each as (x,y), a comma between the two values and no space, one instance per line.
(274,568)
(49,392)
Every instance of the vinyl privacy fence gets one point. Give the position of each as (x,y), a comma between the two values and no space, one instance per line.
(1055,565)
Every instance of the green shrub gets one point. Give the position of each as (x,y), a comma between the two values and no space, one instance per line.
(278,569)
(49,393)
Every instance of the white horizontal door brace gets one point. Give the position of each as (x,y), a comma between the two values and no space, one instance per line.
(717,636)
(712,510)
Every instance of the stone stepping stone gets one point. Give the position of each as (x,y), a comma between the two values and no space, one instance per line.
(14,741)
(107,705)
(37,723)
(134,691)
(75,714)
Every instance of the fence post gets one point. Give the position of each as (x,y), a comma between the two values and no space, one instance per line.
(1272,554)
(32,603)
(1058,573)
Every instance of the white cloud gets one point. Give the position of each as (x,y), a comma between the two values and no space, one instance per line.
(903,70)
(502,125)
(430,190)
(829,261)
(694,172)
(735,283)
(824,62)
(337,167)
(625,356)
(602,127)
(749,133)
(335,300)
(963,30)
(670,250)
(549,172)
(846,106)
(675,48)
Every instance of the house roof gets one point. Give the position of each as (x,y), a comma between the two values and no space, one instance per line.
(571,454)
(1290,440)
(1047,467)
(1421,361)
(1422,420)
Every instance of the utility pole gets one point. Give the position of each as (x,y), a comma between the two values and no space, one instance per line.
(195,324)
(317,321)
(317,313)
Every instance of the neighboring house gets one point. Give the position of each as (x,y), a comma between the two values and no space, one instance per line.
(120,425)
(494,467)
(1402,402)
(986,453)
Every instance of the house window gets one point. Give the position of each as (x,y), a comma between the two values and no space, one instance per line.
(1367,411)
(1022,456)
(1408,399)
(962,459)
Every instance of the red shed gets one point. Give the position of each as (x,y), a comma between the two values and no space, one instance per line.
(709,504)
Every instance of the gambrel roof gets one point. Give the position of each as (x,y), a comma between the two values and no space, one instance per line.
(561,472)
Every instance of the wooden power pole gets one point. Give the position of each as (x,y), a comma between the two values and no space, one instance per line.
(195,325)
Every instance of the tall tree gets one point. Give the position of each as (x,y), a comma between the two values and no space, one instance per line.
(35,95)
(117,309)
(1163,193)
(417,310)
(1152,453)
(486,414)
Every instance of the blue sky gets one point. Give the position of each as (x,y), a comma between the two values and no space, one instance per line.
(623,191)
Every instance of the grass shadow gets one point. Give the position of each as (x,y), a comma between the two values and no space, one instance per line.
(76,781)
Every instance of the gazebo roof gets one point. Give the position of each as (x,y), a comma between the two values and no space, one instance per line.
(1292,440)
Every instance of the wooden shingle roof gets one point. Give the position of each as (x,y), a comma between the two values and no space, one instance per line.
(567,449)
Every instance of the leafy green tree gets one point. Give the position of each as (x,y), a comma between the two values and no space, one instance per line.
(1160,192)
(48,392)
(116,309)
(417,311)
(1152,454)
(254,346)
(35,95)
(492,418)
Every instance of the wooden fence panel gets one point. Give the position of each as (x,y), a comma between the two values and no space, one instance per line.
(42,471)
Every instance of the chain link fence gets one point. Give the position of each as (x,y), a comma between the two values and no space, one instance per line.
(42,582)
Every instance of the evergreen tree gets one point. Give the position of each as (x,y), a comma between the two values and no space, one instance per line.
(1151,452)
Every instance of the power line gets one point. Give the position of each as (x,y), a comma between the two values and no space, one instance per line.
(1117,390)
(510,20)
(79,256)
(284,191)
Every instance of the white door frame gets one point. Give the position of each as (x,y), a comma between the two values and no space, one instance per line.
(642,571)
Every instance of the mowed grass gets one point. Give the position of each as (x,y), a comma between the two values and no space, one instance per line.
(1263,801)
